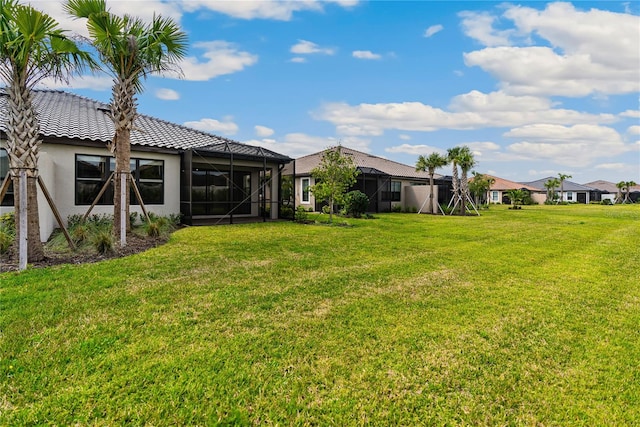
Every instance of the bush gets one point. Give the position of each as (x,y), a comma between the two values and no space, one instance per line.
(286,212)
(301,214)
(7,231)
(80,233)
(396,208)
(102,241)
(6,239)
(356,203)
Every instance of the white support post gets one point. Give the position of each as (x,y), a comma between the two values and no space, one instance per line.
(124,189)
(23,239)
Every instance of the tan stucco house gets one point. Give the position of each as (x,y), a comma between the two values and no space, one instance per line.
(179,170)
(388,184)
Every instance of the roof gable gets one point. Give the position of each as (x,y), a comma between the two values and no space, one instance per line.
(501,184)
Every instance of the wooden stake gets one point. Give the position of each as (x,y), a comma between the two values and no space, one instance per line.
(54,209)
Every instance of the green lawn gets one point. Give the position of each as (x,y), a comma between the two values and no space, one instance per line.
(527,317)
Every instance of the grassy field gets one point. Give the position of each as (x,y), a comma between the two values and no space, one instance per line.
(527,317)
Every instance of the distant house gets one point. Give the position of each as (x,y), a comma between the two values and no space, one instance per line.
(572,192)
(178,170)
(388,184)
(498,192)
(605,190)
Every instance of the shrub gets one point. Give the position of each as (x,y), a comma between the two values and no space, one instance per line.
(133,218)
(356,203)
(301,214)
(102,241)
(286,212)
(396,208)
(6,239)
(80,233)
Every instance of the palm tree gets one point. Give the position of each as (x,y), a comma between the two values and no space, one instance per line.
(562,177)
(466,162)
(627,188)
(130,50)
(452,156)
(32,47)
(430,164)
(621,187)
(551,186)
(480,185)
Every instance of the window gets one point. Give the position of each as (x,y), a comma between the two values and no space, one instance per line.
(495,196)
(93,171)
(569,196)
(4,168)
(396,189)
(306,185)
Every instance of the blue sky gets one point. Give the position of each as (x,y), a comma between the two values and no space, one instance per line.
(533,88)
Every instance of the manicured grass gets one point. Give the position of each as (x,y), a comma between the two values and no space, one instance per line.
(515,317)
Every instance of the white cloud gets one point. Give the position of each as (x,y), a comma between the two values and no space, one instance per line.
(263,131)
(276,10)
(300,144)
(433,30)
(577,146)
(479,148)
(227,126)
(365,54)
(593,53)
(480,26)
(98,83)
(298,59)
(633,130)
(474,110)
(144,9)
(416,150)
(634,114)
(305,47)
(610,166)
(404,137)
(167,94)
(220,58)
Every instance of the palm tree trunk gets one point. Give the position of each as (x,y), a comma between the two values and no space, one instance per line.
(464,190)
(430,210)
(23,144)
(123,114)
(455,183)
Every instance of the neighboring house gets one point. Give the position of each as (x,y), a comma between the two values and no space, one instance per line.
(572,192)
(498,192)
(605,190)
(387,183)
(178,170)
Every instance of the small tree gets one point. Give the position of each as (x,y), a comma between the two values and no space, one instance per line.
(480,185)
(561,178)
(551,186)
(517,197)
(333,177)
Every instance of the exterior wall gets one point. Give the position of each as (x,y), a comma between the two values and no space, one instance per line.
(63,159)
(298,193)
(57,169)
(539,198)
(418,196)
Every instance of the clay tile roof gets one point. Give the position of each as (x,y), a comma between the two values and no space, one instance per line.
(66,115)
(367,163)
(502,184)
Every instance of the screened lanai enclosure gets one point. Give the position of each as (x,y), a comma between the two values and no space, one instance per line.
(230,182)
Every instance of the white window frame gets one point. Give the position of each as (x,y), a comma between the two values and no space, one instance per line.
(495,196)
(302,192)
(569,196)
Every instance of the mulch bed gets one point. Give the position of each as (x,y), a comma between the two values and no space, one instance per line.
(135,244)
